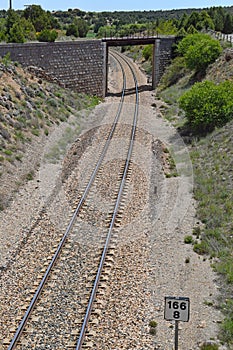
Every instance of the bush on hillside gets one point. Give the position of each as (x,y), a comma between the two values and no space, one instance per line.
(207,105)
(199,50)
(173,73)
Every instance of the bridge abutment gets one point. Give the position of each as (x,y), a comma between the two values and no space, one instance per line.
(82,65)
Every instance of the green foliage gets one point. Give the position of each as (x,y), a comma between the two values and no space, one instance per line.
(227,330)
(16,34)
(199,50)
(198,21)
(28,29)
(153,323)
(225,267)
(40,18)
(208,346)
(188,239)
(201,248)
(167,28)
(47,35)
(173,73)
(207,105)
(192,30)
(226,334)
(82,27)
(203,53)
(2,29)
(72,30)
(6,60)
(186,42)
(147,52)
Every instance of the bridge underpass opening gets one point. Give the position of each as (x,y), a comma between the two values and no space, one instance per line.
(120,42)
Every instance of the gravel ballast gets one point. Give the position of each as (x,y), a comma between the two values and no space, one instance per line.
(152,260)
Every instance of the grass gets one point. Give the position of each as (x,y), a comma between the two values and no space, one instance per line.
(188,239)
(212,159)
(153,327)
(60,148)
(207,346)
(30,176)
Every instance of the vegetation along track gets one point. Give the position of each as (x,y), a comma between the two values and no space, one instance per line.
(62,304)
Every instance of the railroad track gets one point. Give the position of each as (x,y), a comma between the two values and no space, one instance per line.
(70,265)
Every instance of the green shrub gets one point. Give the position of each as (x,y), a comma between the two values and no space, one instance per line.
(199,50)
(153,324)
(188,239)
(207,105)
(173,73)
(201,248)
(188,41)
(147,52)
(199,56)
(47,35)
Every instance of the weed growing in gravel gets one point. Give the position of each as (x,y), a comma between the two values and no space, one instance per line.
(188,239)
(30,176)
(209,346)
(153,327)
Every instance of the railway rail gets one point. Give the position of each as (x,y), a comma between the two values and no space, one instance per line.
(24,330)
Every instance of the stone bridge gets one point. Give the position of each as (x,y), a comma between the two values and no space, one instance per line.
(82,65)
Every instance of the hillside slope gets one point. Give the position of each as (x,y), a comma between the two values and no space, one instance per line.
(212,158)
(30,108)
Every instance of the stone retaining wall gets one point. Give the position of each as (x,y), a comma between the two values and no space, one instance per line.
(74,64)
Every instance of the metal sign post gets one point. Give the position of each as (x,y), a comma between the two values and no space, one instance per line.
(177,309)
(176,334)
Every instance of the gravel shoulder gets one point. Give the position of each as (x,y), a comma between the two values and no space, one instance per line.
(157,262)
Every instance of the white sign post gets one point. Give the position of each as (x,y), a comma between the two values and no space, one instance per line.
(176,309)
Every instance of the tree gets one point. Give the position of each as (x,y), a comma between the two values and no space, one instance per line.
(2,29)
(192,30)
(11,19)
(28,29)
(39,17)
(217,14)
(205,21)
(82,28)
(72,29)
(193,19)
(228,24)
(16,34)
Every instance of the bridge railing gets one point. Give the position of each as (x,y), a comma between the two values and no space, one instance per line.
(131,34)
(221,36)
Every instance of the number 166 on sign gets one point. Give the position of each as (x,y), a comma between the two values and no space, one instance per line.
(177,309)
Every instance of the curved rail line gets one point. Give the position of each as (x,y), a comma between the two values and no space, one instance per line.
(97,279)
(36,296)
(71,223)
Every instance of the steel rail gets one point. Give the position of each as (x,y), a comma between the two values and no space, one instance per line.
(35,298)
(117,204)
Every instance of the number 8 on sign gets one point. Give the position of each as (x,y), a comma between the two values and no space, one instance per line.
(176,309)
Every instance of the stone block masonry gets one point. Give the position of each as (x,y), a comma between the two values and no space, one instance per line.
(78,65)
(82,65)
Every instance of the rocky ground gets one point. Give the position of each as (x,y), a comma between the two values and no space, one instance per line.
(164,265)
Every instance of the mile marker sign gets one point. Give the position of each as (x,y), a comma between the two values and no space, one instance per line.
(176,309)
